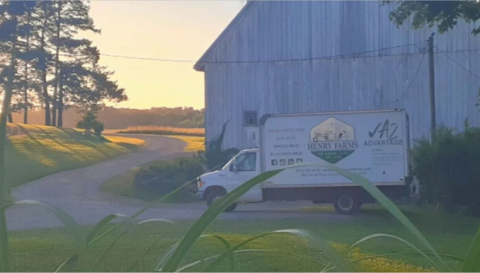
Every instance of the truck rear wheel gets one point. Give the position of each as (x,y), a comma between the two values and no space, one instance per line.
(217,194)
(347,203)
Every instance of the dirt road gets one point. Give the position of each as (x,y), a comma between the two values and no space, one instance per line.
(78,193)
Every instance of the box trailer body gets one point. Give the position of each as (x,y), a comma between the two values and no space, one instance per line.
(374,144)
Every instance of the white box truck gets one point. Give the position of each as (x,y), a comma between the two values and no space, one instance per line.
(374,144)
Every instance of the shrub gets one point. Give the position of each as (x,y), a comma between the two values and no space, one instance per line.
(188,123)
(214,156)
(448,168)
(89,121)
(166,176)
(98,128)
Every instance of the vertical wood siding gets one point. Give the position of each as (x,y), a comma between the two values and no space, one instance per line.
(273,31)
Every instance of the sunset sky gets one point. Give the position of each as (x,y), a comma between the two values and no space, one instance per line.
(159,29)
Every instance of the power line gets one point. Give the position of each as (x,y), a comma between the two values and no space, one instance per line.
(148,59)
(411,82)
(457,63)
(247,62)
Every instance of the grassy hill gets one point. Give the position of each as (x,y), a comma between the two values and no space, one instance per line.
(35,151)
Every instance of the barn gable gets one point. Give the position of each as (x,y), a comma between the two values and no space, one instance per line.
(297,30)
(207,56)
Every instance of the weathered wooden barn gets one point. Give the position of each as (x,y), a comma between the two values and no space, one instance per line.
(298,56)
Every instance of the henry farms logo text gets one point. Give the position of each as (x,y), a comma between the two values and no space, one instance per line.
(332,140)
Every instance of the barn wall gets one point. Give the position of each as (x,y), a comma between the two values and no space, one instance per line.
(360,62)
(340,85)
(287,30)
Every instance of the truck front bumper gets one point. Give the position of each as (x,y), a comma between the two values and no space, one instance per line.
(199,194)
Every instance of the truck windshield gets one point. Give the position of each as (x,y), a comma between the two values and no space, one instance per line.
(228,163)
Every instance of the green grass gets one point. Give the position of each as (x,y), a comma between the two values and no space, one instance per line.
(194,143)
(44,250)
(46,150)
(164,130)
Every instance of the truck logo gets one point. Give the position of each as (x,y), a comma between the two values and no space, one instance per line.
(332,140)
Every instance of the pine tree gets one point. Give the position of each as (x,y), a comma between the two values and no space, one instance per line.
(10,11)
(70,17)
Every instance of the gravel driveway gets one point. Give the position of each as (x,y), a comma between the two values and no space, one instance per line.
(78,193)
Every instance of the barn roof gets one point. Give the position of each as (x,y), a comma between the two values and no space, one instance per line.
(200,64)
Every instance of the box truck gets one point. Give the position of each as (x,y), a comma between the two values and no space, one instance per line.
(374,144)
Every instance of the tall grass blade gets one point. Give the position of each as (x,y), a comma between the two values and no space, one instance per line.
(472,262)
(227,246)
(316,240)
(107,219)
(208,217)
(162,199)
(141,211)
(131,227)
(106,251)
(66,219)
(164,258)
(388,205)
(70,263)
(156,220)
(381,235)
(131,269)
(4,246)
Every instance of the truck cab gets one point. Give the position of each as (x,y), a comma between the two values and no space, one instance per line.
(241,168)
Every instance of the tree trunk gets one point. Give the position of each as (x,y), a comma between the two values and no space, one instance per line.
(46,98)
(7,97)
(55,87)
(25,86)
(60,100)
(10,118)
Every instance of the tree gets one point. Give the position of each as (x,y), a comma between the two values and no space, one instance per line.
(70,17)
(45,28)
(10,11)
(443,13)
(89,120)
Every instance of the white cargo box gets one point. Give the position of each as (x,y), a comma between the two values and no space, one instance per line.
(374,144)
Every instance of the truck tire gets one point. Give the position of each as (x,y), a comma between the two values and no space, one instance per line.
(347,203)
(215,195)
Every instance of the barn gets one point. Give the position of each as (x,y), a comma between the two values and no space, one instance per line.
(279,57)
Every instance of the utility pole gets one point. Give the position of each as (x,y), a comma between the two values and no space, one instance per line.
(431,66)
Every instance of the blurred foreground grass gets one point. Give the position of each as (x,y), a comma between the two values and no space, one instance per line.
(44,250)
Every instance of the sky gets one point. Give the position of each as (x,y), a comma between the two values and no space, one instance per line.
(173,29)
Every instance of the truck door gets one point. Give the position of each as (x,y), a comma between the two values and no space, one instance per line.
(245,167)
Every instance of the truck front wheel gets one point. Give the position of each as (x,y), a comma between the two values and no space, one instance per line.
(217,194)
(347,203)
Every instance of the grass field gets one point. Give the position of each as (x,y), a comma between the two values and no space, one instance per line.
(123,184)
(44,250)
(162,130)
(194,143)
(46,150)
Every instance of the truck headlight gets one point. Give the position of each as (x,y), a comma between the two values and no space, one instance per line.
(199,182)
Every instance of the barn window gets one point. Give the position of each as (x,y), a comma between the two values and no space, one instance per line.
(250,118)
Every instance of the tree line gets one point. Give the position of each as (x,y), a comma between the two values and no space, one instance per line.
(43,63)
(120,118)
